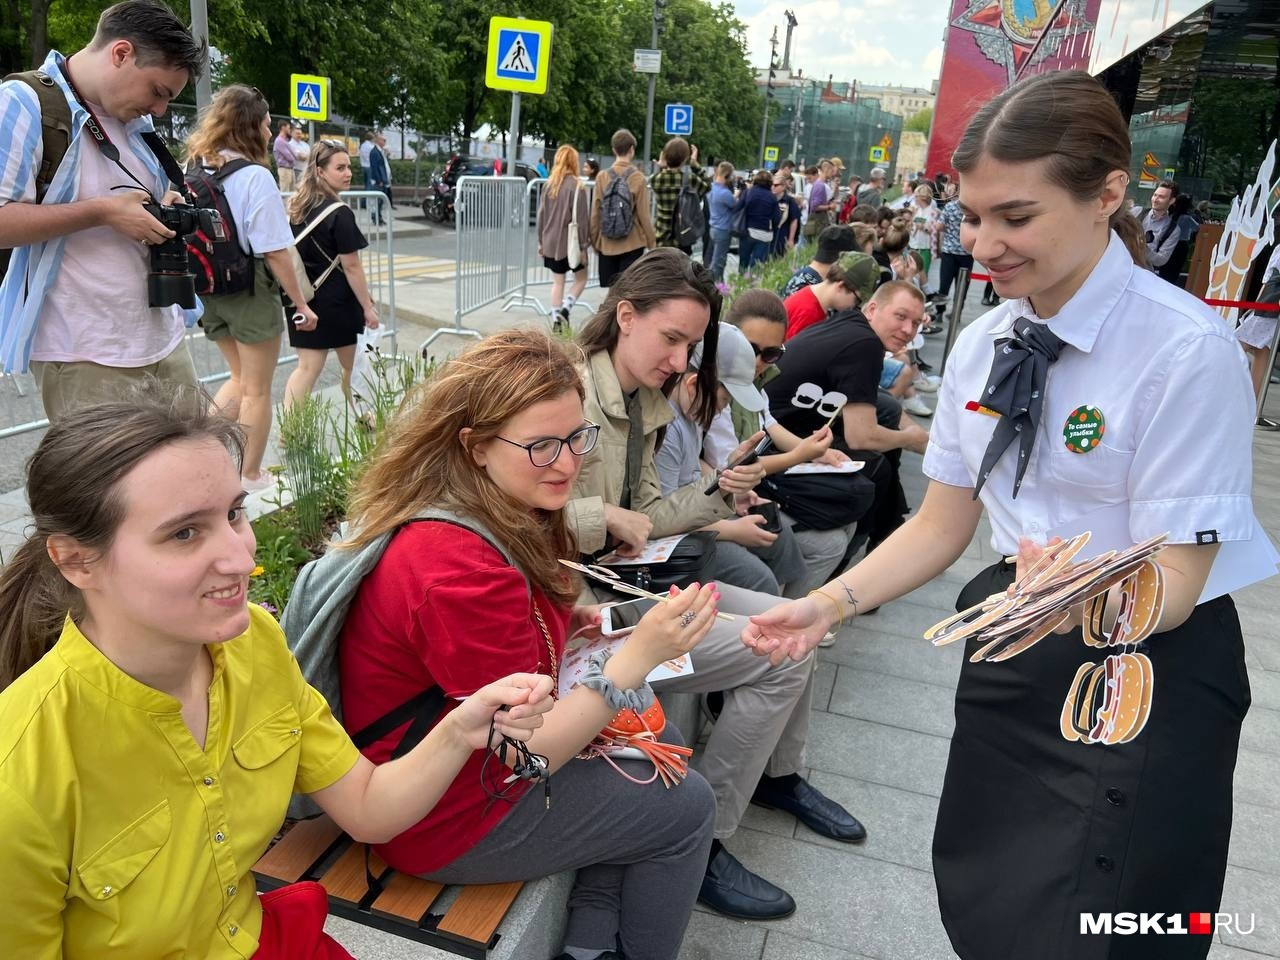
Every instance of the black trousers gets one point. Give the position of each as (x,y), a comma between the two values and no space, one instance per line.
(949,268)
(1034,830)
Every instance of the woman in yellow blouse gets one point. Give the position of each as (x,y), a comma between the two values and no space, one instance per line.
(153,723)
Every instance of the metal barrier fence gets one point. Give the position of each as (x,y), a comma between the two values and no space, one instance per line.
(535,271)
(491,219)
(22,412)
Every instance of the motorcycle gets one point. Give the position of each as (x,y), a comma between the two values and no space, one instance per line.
(438,205)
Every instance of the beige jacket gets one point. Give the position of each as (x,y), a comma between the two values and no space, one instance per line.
(555,214)
(603,470)
(641,234)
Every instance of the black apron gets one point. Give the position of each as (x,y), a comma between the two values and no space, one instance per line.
(1034,830)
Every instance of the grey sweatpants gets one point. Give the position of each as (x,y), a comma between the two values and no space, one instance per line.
(764,724)
(640,852)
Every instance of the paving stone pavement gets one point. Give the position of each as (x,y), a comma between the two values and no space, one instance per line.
(880,733)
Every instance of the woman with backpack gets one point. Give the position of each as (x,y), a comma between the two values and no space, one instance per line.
(678,189)
(234,133)
(330,251)
(153,724)
(494,441)
(564,215)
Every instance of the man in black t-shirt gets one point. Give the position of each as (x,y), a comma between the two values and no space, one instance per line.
(837,364)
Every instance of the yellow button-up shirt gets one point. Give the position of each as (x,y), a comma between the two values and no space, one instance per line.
(119,835)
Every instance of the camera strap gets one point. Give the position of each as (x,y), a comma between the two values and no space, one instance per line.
(112,152)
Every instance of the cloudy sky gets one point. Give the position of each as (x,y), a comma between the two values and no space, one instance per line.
(871,41)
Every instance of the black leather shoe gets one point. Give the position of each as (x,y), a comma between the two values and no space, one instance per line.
(733,890)
(816,811)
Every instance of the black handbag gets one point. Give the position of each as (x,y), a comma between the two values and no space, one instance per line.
(685,565)
(820,501)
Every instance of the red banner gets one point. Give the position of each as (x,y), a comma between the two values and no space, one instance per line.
(991,43)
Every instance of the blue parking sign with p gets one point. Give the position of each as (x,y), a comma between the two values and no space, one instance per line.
(679,119)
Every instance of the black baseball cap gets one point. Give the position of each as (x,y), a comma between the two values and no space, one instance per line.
(833,241)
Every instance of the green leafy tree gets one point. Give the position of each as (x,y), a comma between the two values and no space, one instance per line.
(919,121)
(1231,125)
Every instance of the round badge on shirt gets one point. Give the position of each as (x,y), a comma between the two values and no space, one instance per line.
(1084,429)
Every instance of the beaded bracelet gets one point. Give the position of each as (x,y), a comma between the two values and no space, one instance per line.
(638,698)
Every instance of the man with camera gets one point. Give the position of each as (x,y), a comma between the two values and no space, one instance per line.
(76,301)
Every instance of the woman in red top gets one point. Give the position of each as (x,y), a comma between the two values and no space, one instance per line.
(498,435)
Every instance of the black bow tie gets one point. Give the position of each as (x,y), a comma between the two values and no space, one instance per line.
(1015,390)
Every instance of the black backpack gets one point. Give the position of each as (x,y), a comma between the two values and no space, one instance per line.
(687,222)
(220,266)
(55,135)
(617,208)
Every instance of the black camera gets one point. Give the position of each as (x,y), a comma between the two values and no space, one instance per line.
(1150,236)
(171,280)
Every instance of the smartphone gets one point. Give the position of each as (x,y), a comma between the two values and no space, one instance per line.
(619,618)
(768,510)
(750,457)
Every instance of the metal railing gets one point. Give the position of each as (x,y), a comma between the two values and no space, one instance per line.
(21,410)
(491,221)
(535,271)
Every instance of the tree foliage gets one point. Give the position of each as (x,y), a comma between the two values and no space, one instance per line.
(1232,123)
(919,121)
(420,63)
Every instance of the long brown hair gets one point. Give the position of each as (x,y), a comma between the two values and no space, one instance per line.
(73,484)
(232,121)
(564,165)
(422,462)
(312,190)
(661,275)
(1069,120)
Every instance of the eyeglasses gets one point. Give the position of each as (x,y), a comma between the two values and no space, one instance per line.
(545,452)
(769,354)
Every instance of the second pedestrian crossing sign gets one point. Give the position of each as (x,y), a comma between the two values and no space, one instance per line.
(310,96)
(519,55)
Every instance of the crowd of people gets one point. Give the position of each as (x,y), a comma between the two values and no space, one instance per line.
(127,642)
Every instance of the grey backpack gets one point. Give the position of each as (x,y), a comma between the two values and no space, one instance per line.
(617,208)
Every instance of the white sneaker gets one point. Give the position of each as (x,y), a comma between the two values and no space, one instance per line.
(914,405)
(926,384)
(828,639)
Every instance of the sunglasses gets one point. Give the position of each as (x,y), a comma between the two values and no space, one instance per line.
(769,354)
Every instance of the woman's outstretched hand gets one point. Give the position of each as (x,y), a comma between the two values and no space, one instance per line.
(791,629)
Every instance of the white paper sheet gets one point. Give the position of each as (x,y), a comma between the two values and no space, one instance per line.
(655,551)
(575,663)
(849,466)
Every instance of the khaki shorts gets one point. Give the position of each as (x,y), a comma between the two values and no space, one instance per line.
(65,387)
(246,317)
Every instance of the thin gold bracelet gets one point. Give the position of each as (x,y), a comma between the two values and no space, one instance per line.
(834,602)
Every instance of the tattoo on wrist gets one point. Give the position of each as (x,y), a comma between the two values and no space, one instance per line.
(852,600)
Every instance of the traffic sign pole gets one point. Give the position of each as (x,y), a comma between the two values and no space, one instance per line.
(512,150)
(648,115)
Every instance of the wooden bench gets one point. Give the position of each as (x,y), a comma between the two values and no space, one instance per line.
(398,903)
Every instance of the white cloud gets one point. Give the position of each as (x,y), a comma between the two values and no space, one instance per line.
(871,42)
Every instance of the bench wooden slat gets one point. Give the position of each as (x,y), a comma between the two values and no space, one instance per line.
(406,898)
(479,909)
(298,850)
(345,880)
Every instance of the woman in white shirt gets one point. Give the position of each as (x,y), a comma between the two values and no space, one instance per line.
(247,325)
(925,224)
(1035,829)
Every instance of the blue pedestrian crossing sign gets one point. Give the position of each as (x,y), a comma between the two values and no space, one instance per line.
(519,55)
(310,99)
(679,120)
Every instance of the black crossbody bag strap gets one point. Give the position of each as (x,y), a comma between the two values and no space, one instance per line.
(422,710)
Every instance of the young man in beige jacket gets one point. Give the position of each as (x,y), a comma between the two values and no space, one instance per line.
(616,253)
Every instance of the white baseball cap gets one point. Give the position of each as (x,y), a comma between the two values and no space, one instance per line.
(735,367)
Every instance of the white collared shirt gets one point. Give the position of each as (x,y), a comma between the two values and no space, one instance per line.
(1171,384)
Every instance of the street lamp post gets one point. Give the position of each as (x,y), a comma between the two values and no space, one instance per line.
(200,30)
(659,6)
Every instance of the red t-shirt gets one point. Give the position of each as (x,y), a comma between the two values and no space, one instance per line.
(803,310)
(441,608)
